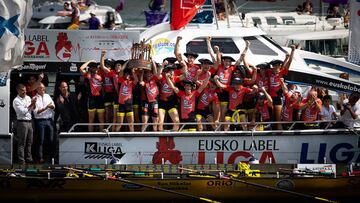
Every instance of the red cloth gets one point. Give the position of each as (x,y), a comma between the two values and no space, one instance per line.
(182,12)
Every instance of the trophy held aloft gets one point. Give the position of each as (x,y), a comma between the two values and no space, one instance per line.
(140,56)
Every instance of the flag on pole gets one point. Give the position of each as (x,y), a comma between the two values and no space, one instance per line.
(14,17)
(182,11)
(354,42)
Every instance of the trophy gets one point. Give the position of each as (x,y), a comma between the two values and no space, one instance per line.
(140,56)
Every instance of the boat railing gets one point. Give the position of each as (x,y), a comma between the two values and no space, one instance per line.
(235,126)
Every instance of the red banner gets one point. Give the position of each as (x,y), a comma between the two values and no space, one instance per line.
(182,11)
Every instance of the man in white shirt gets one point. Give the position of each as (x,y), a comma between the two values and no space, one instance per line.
(350,112)
(23,106)
(43,113)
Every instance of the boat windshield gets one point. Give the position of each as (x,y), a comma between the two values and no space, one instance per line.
(330,47)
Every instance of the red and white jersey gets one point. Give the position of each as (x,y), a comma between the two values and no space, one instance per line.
(95,83)
(225,74)
(274,81)
(108,80)
(151,90)
(262,82)
(192,70)
(165,90)
(264,110)
(288,108)
(236,97)
(187,103)
(125,90)
(310,113)
(206,97)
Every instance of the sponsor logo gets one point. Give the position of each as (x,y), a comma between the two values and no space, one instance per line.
(33,66)
(73,67)
(63,47)
(166,151)
(103,150)
(163,46)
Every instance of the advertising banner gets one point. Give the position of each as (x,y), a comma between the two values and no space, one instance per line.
(354,45)
(98,149)
(77,45)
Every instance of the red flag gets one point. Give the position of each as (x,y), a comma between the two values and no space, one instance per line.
(182,11)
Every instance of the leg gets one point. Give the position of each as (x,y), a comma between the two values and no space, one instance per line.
(155,121)
(51,138)
(277,113)
(115,110)
(108,113)
(21,140)
(91,113)
(145,119)
(40,127)
(29,142)
(101,117)
(130,120)
(199,124)
(174,115)
(161,119)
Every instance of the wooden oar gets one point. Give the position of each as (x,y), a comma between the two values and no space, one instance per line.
(261,186)
(144,185)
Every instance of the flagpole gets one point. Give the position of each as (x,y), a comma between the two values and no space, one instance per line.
(214,13)
(227,13)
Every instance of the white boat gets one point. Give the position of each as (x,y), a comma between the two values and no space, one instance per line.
(58,22)
(47,9)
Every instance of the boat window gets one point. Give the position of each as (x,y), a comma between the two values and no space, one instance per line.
(199,46)
(258,47)
(256,20)
(271,20)
(288,20)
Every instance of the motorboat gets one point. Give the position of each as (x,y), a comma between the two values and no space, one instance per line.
(57,21)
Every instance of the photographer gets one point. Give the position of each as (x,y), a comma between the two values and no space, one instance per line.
(350,112)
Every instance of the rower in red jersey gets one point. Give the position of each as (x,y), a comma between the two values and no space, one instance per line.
(95,100)
(291,102)
(311,108)
(188,100)
(263,108)
(191,68)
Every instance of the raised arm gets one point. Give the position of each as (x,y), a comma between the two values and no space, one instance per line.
(289,58)
(84,65)
(102,62)
(268,97)
(134,75)
(283,86)
(177,49)
(243,53)
(210,49)
(254,75)
(171,84)
(218,83)
(205,83)
(38,82)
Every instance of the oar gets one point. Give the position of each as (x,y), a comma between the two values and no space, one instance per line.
(144,185)
(264,186)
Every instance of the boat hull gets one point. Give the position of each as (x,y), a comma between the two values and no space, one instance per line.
(217,189)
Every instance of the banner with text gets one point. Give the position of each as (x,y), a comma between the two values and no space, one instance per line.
(77,45)
(98,149)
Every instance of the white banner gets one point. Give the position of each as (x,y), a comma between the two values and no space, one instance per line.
(77,45)
(5,102)
(14,17)
(94,149)
(354,45)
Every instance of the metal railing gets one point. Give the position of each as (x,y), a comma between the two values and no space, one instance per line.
(235,125)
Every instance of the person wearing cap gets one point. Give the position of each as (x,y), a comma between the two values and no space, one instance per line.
(168,99)
(95,100)
(262,112)
(208,106)
(236,94)
(278,70)
(150,106)
(291,105)
(189,67)
(107,72)
(94,22)
(202,72)
(188,99)
(127,80)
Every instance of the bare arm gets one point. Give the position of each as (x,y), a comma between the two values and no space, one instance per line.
(37,83)
(289,59)
(254,75)
(268,97)
(171,84)
(102,62)
(177,49)
(218,83)
(210,49)
(243,54)
(205,83)
(283,86)
(84,65)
